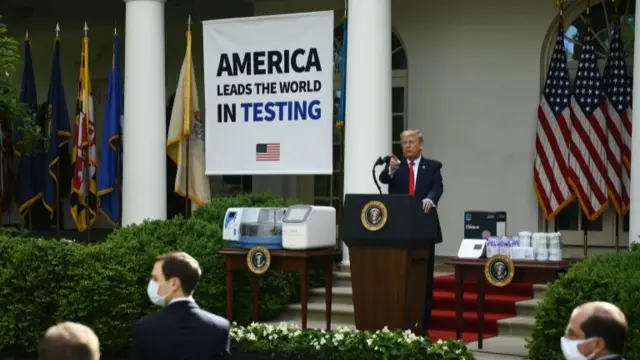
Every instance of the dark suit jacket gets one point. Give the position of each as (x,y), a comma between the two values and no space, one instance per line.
(428,182)
(182,331)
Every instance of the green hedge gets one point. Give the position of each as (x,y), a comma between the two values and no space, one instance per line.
(104,285)
(613,277)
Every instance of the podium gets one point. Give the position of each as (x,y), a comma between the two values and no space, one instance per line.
(390,240)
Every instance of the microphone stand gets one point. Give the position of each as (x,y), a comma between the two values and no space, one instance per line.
(378,162)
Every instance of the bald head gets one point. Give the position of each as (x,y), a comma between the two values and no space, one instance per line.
(69,341)
(602,321)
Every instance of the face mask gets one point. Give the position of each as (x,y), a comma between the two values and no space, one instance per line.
(570,349)
(152,292)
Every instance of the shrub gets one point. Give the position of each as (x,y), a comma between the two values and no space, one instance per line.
(104,285)
(609,277)
(30,276)
(289,342)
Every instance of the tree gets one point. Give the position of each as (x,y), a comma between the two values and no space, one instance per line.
(11,109)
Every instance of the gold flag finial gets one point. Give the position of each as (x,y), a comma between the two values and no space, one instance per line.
(57,30)
(189,23)
(560,6)
(86,29)
(588,3)
(26,34)
(115,29)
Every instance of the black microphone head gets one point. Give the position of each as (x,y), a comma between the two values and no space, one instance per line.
(379,161)
(386,159)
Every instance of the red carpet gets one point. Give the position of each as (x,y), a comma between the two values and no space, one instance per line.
(500,303)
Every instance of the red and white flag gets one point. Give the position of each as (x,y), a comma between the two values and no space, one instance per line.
(617,88)
(550,167)
(588,155)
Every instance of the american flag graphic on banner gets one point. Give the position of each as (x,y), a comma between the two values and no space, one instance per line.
(617,88)
(552,137)
(587,155)
(268,152)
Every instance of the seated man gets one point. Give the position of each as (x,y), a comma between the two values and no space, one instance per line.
(596,330)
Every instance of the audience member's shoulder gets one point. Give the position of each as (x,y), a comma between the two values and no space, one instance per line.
(433,162)
(148,321)
(214,319)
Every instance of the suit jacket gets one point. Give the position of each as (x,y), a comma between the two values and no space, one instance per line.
(182,331)
(428,182)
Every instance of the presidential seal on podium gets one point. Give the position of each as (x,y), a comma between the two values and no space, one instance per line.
(258,260)
(499,270)
(374,215)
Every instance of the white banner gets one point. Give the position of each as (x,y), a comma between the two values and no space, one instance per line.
(269,94)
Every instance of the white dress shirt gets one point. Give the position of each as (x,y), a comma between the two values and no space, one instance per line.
(178,299)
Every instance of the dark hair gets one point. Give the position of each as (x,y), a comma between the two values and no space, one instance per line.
(69,341)
(182,266)
(608,328)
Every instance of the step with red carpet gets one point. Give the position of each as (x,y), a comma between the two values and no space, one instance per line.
(500,303)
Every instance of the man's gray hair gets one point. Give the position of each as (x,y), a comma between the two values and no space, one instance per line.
(412,133)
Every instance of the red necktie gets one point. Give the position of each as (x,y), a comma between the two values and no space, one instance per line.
(412,181)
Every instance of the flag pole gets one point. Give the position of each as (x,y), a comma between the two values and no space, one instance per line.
(29,213)
(585,233)
(57,206)
(86,172)
(187,204)
(340,124)
(118,183)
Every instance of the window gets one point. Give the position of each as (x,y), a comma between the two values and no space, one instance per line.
(237,184)
(328,188)
(602,14)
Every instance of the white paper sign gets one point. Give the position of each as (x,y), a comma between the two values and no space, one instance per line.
(269,94)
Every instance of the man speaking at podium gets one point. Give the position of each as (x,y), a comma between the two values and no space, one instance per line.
(416,175)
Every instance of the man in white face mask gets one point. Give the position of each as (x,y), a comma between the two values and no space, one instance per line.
(596,331)
(182,330)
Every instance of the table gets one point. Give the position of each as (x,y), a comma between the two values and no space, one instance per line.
(536,272)
(299,261)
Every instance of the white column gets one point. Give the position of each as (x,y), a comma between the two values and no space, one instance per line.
(368,117)
(634,216)
(144,129)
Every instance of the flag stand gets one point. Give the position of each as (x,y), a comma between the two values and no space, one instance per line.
(187,203)
(86,172)
(586,247)
(617,237)
(57,206)
(119,183)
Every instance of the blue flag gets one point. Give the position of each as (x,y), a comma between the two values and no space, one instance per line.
(343,75)
(110,170)
(29,170)
(57,129)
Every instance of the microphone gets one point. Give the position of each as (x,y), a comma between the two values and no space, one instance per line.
(380,161)
(383,160)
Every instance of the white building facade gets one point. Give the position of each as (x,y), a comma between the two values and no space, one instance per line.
(467,73)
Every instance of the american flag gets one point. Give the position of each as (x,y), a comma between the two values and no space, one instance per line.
(617,88)
(268,152)
(552,138)
(587,156)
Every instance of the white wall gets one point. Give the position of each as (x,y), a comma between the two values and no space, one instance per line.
(474,82)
